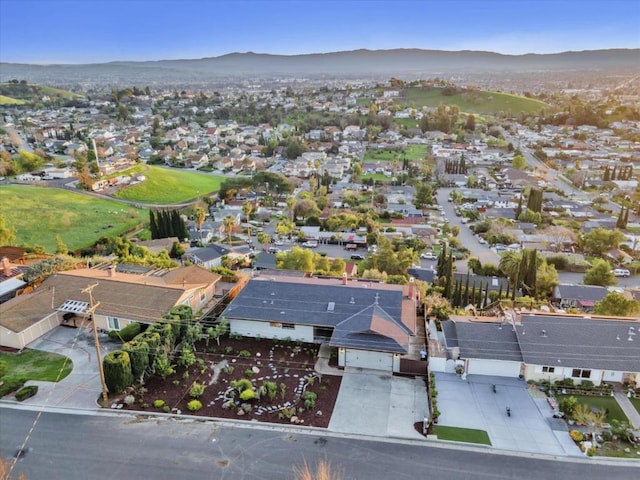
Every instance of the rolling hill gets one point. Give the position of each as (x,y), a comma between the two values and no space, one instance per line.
(20,93)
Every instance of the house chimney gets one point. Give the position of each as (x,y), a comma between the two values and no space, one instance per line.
(344,278)
(112,271)
(6,267)
(412,289)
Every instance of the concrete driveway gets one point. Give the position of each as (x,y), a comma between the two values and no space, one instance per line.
(81,388)
(471,403)
(377,404)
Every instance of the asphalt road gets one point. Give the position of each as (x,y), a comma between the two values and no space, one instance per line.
(120,447)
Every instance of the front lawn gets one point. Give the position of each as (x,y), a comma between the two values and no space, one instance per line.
(164,185)
(614,412)
(33,365)
(456,434)
(636,403)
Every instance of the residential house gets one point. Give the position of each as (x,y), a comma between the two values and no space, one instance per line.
(371,325)
(120,298)
(583,297)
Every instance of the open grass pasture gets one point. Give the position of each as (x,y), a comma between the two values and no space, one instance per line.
(170,186)
(481,102)
(38,214)
(412,153)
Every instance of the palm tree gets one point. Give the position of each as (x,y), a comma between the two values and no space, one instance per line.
(200,215)
(510,264)
(229,224)
(247,208)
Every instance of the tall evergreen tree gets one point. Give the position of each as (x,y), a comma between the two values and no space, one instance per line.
(153,226)
(465,297)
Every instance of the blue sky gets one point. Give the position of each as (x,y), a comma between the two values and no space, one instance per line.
(91,31)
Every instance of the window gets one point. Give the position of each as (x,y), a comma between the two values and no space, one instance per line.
(289,326)
(580,373)
(203,294)
(113,323)
(548,369)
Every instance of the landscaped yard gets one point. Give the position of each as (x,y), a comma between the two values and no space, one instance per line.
(283,370)
(614,412)
(164,185)
(456,434)
(38,214)
(636,403)
(34,365)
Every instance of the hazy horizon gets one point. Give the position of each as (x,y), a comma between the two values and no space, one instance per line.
(101,31)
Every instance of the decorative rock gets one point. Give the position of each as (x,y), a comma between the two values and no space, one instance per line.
(233,360)
(627,450)
(240,412)
(319,413)
(258,354)
(294,419)
(255,369)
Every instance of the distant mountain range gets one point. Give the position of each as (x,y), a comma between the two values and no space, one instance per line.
(359,63)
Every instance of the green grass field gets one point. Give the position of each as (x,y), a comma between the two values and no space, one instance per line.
(481,102)
(636,403)
(38,214)
(36,365)
(468,435)
(170,186)
(412,153)
(10,101)
(614,412)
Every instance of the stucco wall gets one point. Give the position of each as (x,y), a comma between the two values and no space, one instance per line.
(249,328)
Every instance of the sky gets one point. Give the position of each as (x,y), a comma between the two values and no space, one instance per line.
(95,31)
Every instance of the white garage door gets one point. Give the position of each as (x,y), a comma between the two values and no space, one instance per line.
(366,359)
(494,367)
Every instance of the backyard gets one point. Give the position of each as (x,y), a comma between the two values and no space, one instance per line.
(39,214)
(411,153)
(244,378)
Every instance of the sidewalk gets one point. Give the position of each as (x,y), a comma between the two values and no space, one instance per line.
(628,408)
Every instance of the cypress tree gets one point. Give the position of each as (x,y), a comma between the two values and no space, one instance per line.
(605,177)
(519,207)
(486,296)
(153,225)
(465,298)
(620,221)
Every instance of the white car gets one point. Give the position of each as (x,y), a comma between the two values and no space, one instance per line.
(310,244)
(621,272)
(429,256)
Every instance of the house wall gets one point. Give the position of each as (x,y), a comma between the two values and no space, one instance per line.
(249,328)
(19,340)
(103,324)
(534,372)
(499,368)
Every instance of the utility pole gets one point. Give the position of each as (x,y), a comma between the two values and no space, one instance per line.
(91,310)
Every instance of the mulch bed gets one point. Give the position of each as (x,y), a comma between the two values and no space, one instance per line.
(284,362)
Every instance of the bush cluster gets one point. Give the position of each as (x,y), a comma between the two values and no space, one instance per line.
(26,392)
(194,405)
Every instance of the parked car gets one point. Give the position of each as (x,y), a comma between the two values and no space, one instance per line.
(429,256)
(310,244)
(357,256)
(621,272)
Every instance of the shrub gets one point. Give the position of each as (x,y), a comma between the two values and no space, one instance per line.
(26,392)
(587,385)
(561,262)
(129,400)
(242,384)
(228,350)
(194,405)
(3,368)
(158,403)
(310,380)
(138,351)
(248,394)
(228,369)
(309,399)
(271,388)
(576,435)
(187,357)
(127,334)
(117,371)
(244,354)
(287,413)
(196,390)
(248,373)
(11,385)
(166,409)
(567,405)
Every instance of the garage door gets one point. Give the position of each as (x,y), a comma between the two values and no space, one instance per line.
(366,359)
(494,367)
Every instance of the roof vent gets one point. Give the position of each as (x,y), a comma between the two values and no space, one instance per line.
(331,306)
(352,301)
(543,334)
(273,293)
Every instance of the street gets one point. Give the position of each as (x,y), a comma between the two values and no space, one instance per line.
(115,446)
